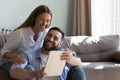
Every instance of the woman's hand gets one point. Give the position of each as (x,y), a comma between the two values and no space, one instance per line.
(18,59)
(15,57)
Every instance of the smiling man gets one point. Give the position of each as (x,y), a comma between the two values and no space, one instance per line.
(38,58)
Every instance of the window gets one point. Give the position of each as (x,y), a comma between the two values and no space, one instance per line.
(105,17)
(117,17)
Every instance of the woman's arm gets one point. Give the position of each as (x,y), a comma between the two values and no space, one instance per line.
(15,57)
(13,42)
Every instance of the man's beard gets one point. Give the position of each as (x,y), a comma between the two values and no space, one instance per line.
(50,48)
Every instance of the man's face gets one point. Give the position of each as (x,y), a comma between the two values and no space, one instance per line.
(52,40)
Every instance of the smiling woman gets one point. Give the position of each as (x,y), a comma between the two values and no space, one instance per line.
(29,35)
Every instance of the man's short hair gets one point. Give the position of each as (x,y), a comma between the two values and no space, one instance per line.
(57,29)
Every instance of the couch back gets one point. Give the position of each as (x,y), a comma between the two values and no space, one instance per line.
(89,48)
(3,39)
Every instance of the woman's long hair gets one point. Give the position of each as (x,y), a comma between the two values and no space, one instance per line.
(30,21)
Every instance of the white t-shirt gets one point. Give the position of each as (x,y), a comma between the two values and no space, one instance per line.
(22,40)
(44,59)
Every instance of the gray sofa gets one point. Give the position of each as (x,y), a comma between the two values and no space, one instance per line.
(100,55)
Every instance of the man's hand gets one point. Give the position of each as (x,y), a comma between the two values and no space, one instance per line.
(70,58)
(67,55)
(41,74)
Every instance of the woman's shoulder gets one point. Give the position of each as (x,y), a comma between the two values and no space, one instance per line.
(24,30)
(18,33)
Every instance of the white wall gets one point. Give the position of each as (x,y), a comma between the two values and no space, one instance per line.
(14,12)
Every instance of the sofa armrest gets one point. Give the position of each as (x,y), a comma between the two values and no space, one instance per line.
(116,56)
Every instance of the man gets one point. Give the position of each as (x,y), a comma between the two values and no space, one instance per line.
(38,58)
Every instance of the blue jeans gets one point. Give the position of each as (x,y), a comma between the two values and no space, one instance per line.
(76,73)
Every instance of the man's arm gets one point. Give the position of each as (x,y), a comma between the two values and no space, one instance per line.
(20,73)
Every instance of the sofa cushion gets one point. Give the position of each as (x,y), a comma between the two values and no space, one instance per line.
(93,48)
(98,57)
(90,44)
(3,39)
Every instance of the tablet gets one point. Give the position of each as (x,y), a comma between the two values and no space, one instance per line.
(54,66)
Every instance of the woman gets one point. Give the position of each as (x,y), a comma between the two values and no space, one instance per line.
(29,35)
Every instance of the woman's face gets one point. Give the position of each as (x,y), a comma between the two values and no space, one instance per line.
(42,21)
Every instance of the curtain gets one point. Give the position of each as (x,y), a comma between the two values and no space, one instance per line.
(82,17)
